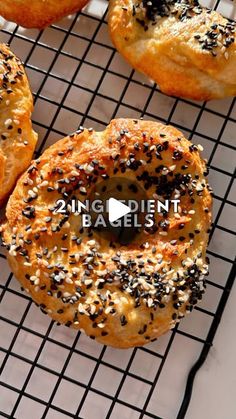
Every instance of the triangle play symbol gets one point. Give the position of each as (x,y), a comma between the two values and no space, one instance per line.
(117,209)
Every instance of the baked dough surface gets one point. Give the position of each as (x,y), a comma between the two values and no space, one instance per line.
(38,13)
(122,296)
(188,50)
(17,138)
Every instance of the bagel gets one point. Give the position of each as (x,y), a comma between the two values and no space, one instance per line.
(17,138)
(121,295)
(38,13)
(188,50)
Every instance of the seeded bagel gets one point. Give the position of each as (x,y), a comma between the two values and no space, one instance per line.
(188,50)
(121,295)
(17,138)
(38,13)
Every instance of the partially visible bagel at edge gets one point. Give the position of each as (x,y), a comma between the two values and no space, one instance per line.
(38,13)
(188,50)
(17,138)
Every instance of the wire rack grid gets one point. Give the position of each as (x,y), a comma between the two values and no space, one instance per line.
(53,372)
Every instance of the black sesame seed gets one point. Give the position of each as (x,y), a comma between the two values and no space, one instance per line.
(123,320)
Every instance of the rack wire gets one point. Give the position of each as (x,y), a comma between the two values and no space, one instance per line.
(49,372)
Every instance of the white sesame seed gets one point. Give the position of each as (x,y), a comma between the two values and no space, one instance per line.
(88,281)
(66,225)
(150,302)
(77,257)
(108,309)
(66,294)
(89,168)
(8,122)
(68,281)
(92,308)
(75,173)
(31,193)
(91,242)
(102,273)
(43,184)
(12,251)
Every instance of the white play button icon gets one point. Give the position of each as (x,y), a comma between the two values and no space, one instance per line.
(117,209)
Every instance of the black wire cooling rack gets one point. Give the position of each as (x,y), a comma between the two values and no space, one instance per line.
(51,372)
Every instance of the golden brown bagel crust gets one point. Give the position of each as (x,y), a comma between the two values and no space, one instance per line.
(17,138)
(82,281)
(192,57)
(38,13)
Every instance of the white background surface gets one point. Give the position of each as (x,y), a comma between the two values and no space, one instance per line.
(214,389)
